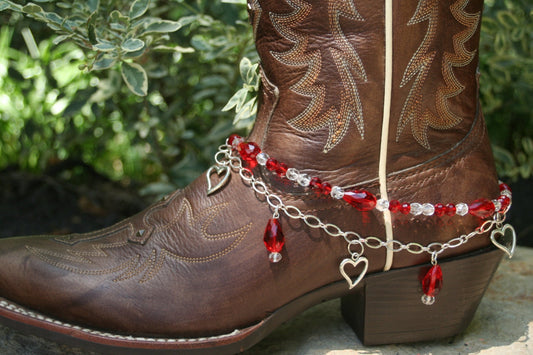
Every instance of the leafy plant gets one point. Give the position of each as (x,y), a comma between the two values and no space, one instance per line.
(245,100)
(112,33)
(158,132)
(506,64)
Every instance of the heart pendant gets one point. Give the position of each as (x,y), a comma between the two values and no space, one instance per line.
(353,282)
(504,239)
(218,170)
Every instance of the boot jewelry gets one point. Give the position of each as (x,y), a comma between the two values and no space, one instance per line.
(237,152)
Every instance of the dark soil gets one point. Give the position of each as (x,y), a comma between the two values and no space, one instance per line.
(51,204)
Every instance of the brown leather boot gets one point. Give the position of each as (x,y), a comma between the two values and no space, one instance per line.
(379,160)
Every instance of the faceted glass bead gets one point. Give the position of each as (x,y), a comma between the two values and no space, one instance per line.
(304,180)
(273,238)
(274,257)
(405,208)
(395,206)
(450,209)
(337,192)
(428,209)
(504,186)
(432,281)
(382,205)
(315,183)
(481,208)
(234,140)
(271,164)
(360,199)
(262,158)
(249,151)
(281,169)
(292,174)
(326,188)
(440,209)
(462,209)
(428,300)
(504,202)
(416,208)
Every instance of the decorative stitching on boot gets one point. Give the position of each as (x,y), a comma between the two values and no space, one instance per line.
(34,315)
(419,65)
(77,260)
(337,118)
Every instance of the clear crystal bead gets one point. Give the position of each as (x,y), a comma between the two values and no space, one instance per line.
(304,180)
(462,209)
(428,209)
(262,158)
(497,205)
(292,174)
(274,257)
(507,193)
(337,192)
(428,300)
(382,205)
(416,208)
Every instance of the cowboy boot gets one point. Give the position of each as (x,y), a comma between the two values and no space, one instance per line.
(369,165)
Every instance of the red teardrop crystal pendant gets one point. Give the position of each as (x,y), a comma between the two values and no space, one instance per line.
(431,284)
(481,208)
(274,239)
(360,199)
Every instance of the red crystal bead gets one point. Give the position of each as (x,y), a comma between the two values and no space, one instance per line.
(481,208)
(504,186)
(271,164)
(273,238)
(315,183)
(234,140)
(395,206)
(326,188)
(281,169)
(440,209)
(450,209)
(505,202)
(360,199)
(405,208)
(432,281)
(249,151)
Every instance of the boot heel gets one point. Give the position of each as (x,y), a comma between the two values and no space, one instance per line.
(388,308)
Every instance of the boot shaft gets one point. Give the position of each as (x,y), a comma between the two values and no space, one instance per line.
(326,100)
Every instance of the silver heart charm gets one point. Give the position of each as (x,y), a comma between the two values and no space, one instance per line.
(353,282)
(504,239)
(219,170)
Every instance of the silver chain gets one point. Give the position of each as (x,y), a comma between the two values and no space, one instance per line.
(356,243)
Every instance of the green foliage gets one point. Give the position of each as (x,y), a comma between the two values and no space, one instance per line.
(110,33)
(168,130)
(156,75)
(245,100)
(506,64)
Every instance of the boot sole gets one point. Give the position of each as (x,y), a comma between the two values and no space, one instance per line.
(384,308)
